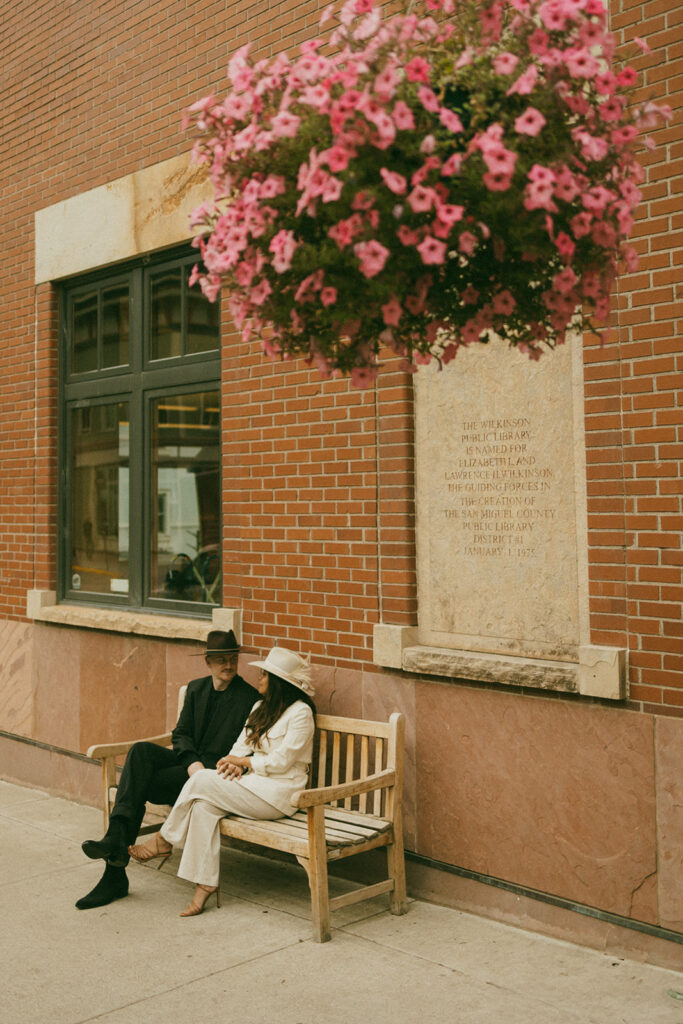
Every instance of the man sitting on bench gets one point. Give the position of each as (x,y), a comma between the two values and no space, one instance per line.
(215,710)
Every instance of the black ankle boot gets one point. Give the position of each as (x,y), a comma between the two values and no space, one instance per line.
(112,847)
(113,885)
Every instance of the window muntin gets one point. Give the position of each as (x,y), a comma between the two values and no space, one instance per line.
(141,440)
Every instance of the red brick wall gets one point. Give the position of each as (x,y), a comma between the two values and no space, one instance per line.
(318,507)
(634,406)
(92,91)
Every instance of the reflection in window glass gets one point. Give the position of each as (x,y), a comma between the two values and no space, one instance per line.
(202,321)
(166,327)
(99,499)
(115,328)
(185,498)
(84,353)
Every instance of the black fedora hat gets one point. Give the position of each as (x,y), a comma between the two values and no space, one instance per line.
(219,642)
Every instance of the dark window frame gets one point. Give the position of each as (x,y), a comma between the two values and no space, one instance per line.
(139,383)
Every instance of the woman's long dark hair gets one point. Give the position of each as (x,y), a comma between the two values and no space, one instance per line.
(279,697)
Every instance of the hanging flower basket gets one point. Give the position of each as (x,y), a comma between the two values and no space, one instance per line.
(420,182)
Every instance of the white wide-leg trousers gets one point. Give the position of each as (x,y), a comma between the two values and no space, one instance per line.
(193,822)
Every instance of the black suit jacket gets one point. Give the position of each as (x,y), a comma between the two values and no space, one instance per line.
(196,739)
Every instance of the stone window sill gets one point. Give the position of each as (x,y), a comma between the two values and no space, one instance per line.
(41,606)
(599,671)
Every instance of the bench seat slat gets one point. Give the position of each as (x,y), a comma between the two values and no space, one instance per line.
(347,829)
(300,826)
(354,817)
(296,831)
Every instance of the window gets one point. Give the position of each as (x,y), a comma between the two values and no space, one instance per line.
(140,455)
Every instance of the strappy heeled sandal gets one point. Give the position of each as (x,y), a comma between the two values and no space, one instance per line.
(156,847)
(200,899)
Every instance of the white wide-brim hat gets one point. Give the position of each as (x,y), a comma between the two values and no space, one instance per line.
(288,666)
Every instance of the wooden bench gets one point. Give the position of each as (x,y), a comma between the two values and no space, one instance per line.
(353,804)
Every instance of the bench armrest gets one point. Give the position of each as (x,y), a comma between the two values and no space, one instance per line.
(327,794)
(102,750)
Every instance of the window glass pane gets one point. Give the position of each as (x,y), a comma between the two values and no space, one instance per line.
(115,326)
(185,499)
(165,314)
(85,333)
(202,322)
(99,499)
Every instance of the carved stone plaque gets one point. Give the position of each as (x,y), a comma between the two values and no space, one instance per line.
(501,503)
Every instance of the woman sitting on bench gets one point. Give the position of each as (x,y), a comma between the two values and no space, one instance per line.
(267,764)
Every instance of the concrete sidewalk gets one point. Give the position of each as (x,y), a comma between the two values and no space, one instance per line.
(252,961)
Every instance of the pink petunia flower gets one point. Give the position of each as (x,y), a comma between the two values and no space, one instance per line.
(603,234)
(450,213)
(581,63)
(450,120)
(467,243)
(394,181)
(525,83)
(452,165)
(328,295)
(499,160)
(530,122)
(417,70)
(363,376)
(336,157)
(386,82)
(538,42)
(505,63)
(565,280)
(285,125)
(372,256)
(407,236)
(605,83)
(428,99)
(341,233)
(403,116)
(503,303)
(283,246)
(470,332)
(555,13)
(566,247)
(581,224)
(421,199)
(497,181)
(566,185)
(260,293)
(627,77)
(274,185)
(432,250)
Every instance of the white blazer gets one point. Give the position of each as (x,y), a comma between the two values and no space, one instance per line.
(279,765)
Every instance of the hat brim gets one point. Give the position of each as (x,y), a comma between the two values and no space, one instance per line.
(222,650)
(304,686)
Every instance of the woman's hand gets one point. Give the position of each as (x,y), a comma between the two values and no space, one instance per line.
(232,767)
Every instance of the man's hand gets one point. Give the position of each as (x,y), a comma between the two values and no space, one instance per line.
(196,766)
(231,767)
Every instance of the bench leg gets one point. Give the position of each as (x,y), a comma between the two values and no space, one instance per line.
(396,869)
(317,875)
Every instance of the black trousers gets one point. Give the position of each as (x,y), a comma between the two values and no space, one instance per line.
(150,773)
